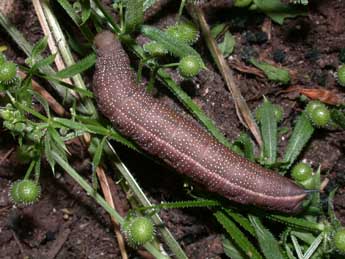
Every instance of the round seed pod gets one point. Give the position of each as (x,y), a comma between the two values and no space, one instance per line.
(318,113)
(301,172)
(339,240)
(184,31)
(190,66)
(25,192)
(138,230)
(320,116)
(8,72)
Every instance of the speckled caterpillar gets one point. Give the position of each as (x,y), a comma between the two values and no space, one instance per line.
(160,4)
(178,141)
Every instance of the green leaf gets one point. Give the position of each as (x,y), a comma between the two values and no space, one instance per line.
(314,246)
(39,47)
(268,125)
(301,134)
(338,116)
(244,142)
(243,221)
(79,67)
(65,4)
(48,152)
(86,11)
(57,140)
(298,223)
(42,101)
(277,10)
(43,62)
(174,46)
(98,153)
(193,108)
(134,14)
(217,29)
(184,204)
(268,244)
(148,4)
(231,250)
(237,236)
(228,45)
(273,73)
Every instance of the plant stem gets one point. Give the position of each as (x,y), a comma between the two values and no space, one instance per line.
(98,198)
(242,109)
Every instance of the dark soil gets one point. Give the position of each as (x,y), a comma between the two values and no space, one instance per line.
(66,223)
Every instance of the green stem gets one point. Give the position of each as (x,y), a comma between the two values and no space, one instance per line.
(28,172)
(98,198)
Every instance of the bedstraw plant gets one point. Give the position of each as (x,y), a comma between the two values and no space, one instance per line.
(43,135)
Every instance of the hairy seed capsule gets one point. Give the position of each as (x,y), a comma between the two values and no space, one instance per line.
(190,66)
(25,192)
(8,72)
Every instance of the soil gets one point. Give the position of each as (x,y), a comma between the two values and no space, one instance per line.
(66,223)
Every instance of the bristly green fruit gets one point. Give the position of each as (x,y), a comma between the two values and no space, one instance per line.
(312,105)
(155,49)
(190,66)
(318,113)
(138,230)
(301,172)
(25,192)
(341,75)
(242,3)
(8,72)
(184,31)
(339,240)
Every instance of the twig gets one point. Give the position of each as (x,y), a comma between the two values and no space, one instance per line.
(108,197)
(242,109)
(8,153)
(51,43)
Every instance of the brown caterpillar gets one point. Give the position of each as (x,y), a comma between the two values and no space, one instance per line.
(160,4)
(179,141)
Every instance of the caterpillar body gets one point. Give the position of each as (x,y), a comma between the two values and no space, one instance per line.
(179,141)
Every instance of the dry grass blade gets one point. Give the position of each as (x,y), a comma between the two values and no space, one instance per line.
(51,42)
(242,108)
(108,197)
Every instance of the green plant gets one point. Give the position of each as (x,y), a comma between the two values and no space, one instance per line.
(341,75)
(242,3)
(25,192)
(339,240)
(8,72)
(301,172)
(318,113)
(184,31)
(190,66)
(44,134)
(155,49)
(138,230)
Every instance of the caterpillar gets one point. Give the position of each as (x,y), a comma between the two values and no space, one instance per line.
(160,4)
(180,141)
